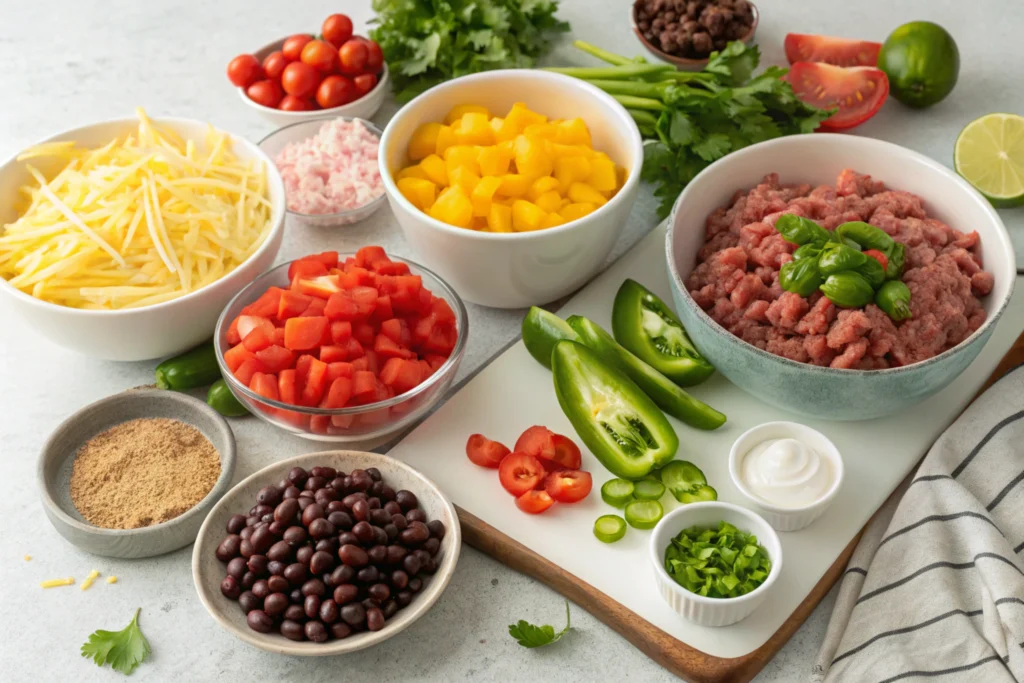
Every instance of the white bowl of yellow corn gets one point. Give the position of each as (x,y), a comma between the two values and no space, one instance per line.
(513,184)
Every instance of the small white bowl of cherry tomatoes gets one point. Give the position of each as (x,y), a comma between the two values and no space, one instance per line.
(303,77)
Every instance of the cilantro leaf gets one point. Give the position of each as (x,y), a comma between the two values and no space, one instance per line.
(123,650)
(532,636)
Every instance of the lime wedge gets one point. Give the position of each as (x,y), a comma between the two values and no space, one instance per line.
(989,154)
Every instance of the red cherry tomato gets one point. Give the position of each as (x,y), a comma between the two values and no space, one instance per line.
(838,51)
(274,65)
(337,29)
(335,91)
(364,83)
(519,473)
(374,57)
(293,103)
(568,486)
(534,502)
(300,79)
(554,450)
(858,92)
(266,92)
(244,70)
(878,256)
(292,47)
(320,55)
(484,452)
(353,56)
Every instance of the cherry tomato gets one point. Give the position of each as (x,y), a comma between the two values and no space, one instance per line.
(244,70)
(364,83)
(292,47)
(374,57)
(858,91)
(878,256)
(519,473)
(534,502)
(568,486)
(554,450)
(337,29)
(300,79)
(484,452)
(266,92)
(839,51)
(335,91)
(293,103)
(274,64)
(353,56)
(320,55)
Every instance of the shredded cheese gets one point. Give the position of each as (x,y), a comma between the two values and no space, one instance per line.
(111,579)
(53,583)
(136,222)
(93,575)
(28,558)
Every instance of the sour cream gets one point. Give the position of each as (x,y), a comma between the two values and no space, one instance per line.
(786,473)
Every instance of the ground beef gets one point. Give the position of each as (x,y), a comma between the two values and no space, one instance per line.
(737,276)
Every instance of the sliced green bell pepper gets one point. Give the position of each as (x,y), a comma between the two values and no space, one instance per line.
(620,425)
(541,329)
(686,482)
(669,397)
(642,323)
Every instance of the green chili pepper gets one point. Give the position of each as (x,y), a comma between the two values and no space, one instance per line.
(872,271)
(614,418)
(686,482)
(669,397)
(617,492)
(802,277)
(896,258)
(800,230)
(867,236)
(894,299)
(837,258)
(541,330)
(649,489)
(195,368)
(848,289)
(642,323)
(808,251)
(644,514)
(223,401)
(609,528)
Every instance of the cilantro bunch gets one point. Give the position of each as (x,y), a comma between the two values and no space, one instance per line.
(693,119)
(427,42)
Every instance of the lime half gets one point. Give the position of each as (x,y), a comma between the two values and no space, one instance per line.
(989,154)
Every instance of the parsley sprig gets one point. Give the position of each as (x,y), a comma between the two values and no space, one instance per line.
(532,636)
(123,650)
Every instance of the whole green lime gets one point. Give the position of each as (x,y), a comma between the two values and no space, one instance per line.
(922,62)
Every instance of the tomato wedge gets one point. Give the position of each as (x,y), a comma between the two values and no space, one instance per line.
(484,452)
(801,47)
(554,450)
(534,502)
(858,92)
(568,486)
(519,473)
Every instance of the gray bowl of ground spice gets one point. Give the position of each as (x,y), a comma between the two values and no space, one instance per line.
(135,474)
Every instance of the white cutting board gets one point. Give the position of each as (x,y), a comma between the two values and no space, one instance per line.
(514,392)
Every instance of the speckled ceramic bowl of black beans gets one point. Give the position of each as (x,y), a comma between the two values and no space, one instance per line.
(298,558)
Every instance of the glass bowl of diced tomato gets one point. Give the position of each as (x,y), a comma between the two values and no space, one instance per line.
(342,347)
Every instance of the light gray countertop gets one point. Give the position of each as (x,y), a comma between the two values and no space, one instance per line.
(71,62)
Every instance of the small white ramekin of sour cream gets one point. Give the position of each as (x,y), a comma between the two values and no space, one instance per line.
(789,471)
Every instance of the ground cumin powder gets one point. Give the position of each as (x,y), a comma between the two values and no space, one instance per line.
(142,472)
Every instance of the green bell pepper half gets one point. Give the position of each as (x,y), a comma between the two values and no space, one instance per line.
(614,418)
(669,397)
(686,482)
(642,323)
(541,330)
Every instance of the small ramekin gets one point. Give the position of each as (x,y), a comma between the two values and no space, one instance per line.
(782,518)
(697,608)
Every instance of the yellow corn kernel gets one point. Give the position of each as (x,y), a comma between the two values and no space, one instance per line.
(532,157)
(513,185)
(527,216)
(549,201)
(473,129)
(540,186)
(424,140)
(445,139)
(413,171)
(460,110)
(602,175)
(499,219)
(560,150)
(464,177)
(572,132)
(520,116)
(571,212)
(494,160)
(545,131)
(111,579)
(461,155)
(93,575)
(434,168)
(53,583)
(581,192)
(569,170)
(552,220)
(453,207)
(483,195)
(418,191)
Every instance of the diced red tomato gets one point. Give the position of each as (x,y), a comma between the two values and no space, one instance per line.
(328,258)
(374,417)
(302,365)
(801,47)
(339,369)
(267,305)
(397,330)
(568,486)
(276,358)
(484,452)
(365,299)
(320,424)
(292,304)
(878,256)
(386,347)
(435,361)
(341,422)
(554,450)
(356,277)
(364,333)
(323,286)
(306,268)
(383,310)
(315,309)
(332,353)
(302,334)
(534,502)
(364,384)
(391,268)
(287,388)
(341,331)
(340,307)
(247,323)
(278,336)
(339,393)
(442,340)
(373,361)
(858,92)
(246,370)
(232,334)
(401,375)
(258,339)
(367,256)
(353,349)
(443,313)
(520,472)
(265,385)
(237,355)
(314,382)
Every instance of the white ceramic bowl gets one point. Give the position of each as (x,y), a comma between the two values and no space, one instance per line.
(513,270)
(696,608)
(153,331)
(782,518)
(207,570)
(363,108)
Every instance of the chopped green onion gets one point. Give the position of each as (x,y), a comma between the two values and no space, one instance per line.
(648,489)
(644,514)
(722,563)
(609,528)
(617,492)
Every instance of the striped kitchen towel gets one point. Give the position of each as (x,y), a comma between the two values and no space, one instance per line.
(935,588)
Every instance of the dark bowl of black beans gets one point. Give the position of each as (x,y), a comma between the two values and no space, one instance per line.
(326,553)
(686,32)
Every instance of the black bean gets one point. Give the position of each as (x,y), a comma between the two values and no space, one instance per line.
(277,528)
(325,496)
(314,587)
(338,484)
(276,567)
(353,613)
(429,567)
(368,574)
(328,611)
(396,553)
(432,545)
(282,484)
(389,608)
(296,597)
(393,508)
(278,584)
(400,522)
(399,579)
(403,598)
(230,588)
(391,530)
(361,510)
(416,533)
(295,613)
(361,481)
(235,524)
(347,538)
(387,493)
(380,536)
(307,494)
(261,540)
(374,473)
(411,564)
(245,548)
(315,484)
(329,545)
(322,561)
(295,573)
(350,500)
(374,503)
(259,621)
(292,630)
(280,551)
(437,529)
(334,506)
(258,565)
(422,555)
(340,519)
(364,532)
(305,502)
(311,606)
(275,604)
(248,602)
(340,630)
(246,533)
(297,476)
(378,554)
(377,489)
(346,593)
(415,584)
(304,554)
(341,574)
(348,488)
(321,528)
(261,589)
(314,511)
(248,579)
(407,499)
(416,515)
(267,519)
(286,511)
(252,520)
(237,567)
(269,495)
(379,592)
(291,493)
(374,619)
(380,517)
(295,535)
(316,632)
(353,555)
(229,547)
(260,509)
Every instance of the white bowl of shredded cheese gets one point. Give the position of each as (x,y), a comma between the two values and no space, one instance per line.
(125,239)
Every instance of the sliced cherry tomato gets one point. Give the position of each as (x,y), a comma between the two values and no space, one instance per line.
(335,91)
(801,47)
(568,486)
(484,452)
(267,92)
(292,48)
(293,103)
(858,92)
(300,79)
(353,55)
(554,450)
(374,57)
(534,502)
(274,64)
(519,473)
(878,256)
(320,55)
(244,70)
(337,29)
(364,83)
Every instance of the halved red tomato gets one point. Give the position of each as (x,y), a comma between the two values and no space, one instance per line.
(554,450)
(858,92)
(534,502)
(484,452)
(520,473)
(568,486)
(801,47)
